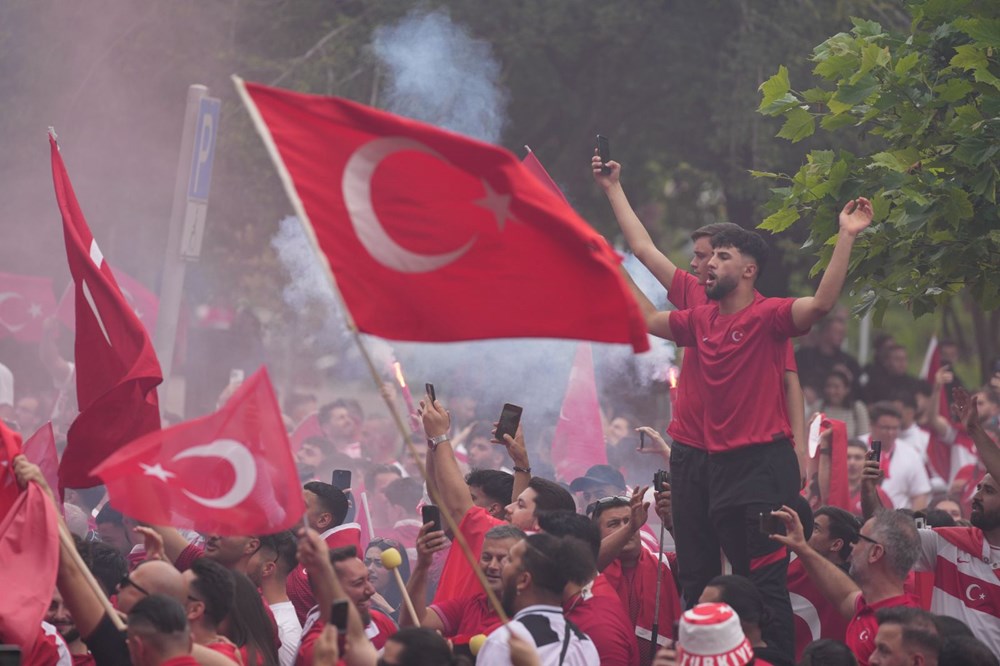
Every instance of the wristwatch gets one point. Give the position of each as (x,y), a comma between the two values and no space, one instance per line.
(432,442)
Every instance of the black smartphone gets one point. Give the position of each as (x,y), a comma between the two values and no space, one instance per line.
(642,439)
(876,452)
(770,524)
(510,418)
(430,391)
(431,514)
(338,615)
(341,479)
(604,151)
(661,479)
(10,655)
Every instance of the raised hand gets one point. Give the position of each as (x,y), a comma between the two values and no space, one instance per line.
(609,180)
(965,408)
(639,509)
(428,543)
(856,216)
(435,417)
(654,442)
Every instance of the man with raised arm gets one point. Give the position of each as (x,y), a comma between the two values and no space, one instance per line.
(697,548)
(742,345)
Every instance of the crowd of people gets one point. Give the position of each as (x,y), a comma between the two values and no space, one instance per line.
(876,540)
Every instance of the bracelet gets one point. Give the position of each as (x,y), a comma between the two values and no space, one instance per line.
(432,442)
(526,470)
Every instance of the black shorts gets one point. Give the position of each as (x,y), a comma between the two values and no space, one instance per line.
(758,474)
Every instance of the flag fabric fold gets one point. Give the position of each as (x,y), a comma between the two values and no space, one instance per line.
(228,473)
(436,237)
(578,442)
(10,448)
(26,302)
(40,449)
(116,367)
(534,165)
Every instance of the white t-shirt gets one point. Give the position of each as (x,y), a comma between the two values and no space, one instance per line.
(916,438)
(547,629)
(907,475)
(289,631)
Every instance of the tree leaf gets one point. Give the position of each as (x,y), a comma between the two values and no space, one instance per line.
(953,90)
(855,93)
(863,28)
(982,30)
(778,222)
(799,125)
(906,63)
(774,88)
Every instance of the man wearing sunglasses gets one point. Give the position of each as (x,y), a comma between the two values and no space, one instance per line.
(879,562)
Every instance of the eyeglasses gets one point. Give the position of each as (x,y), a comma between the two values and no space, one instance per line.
(126,581)
(615,500)
(868,539)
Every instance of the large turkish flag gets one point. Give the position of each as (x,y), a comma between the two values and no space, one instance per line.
(228,473)
(25,302)
(116,367)
(433,236)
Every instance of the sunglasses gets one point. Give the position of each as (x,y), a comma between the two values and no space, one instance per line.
(615,500)
(126,581)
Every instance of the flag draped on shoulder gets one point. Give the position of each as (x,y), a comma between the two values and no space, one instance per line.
(432,236)
(228,473)
(116,367)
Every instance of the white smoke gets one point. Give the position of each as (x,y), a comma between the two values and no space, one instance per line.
(441,75)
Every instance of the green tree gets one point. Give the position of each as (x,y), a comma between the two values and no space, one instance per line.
(930,97)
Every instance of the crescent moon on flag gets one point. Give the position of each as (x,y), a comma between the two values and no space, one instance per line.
(5,296)
(357,189)
(244,467)
(968,591)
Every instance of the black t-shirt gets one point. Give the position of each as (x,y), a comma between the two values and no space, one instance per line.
(107,645)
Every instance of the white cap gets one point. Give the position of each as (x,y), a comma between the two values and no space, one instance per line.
(712,630)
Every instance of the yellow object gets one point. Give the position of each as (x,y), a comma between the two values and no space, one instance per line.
(391,558)
(476,643)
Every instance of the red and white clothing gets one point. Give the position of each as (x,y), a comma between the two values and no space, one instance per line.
(596,611)
(742,358)
(815,616)
(49,649)
(464,618)
(906,475)
(863,626)
(458,578)
(636,588)
(297,582)
(966,583)
(378,632)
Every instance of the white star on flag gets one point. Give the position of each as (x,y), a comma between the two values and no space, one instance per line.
(157,471)
(35,310)
(497,204)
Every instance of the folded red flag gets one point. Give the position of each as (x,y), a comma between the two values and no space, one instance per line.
(143,302)
(578,443)
(436,237)
(228,473)
(25,302)
(10,447)
(29,550)
(116,367)
(533,165)
(40,449)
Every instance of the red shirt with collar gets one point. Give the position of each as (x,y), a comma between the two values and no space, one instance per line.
(863,626)
(464,618)
(602,619)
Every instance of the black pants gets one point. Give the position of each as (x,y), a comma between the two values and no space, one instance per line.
(697,546)
(743,484)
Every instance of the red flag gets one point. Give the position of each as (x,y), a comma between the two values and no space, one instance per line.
(840,492)
(143,302)
(10,447)
(25,302)
(228,473)
(436,237)
(532,164)
(578,442)
(29,550)
(40,449)
(116,367)
(938,453)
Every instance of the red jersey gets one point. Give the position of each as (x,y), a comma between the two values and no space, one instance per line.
(186,660)
(458,579)
(49,649)
(226,649)
(863,626)
(83,659)
(378,631)
(297,581)
(604,623)
(815,616)
(636,590)
(742,356)
(464,618)
(686,420)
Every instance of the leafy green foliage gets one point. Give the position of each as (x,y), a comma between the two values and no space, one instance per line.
(930,97)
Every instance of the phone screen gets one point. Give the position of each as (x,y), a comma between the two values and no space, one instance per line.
(510,418)
(430,391)
(338,615)
(604,151)
(431,514)
(10,655)
(341,479)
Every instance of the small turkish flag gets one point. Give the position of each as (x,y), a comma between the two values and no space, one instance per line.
(436,237)
(228,473)
(532,164)
(25,302)
(578,442)
(116,367)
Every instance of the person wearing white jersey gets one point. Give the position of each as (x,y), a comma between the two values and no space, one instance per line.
(533,581)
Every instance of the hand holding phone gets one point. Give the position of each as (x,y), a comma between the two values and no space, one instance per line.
(770,524)
(431,514)
(876,451)
(661,479)
(338,615)
(430,392)
(341,479)
(604,152)
(510,419)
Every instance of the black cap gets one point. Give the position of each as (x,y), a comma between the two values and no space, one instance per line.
(599,475)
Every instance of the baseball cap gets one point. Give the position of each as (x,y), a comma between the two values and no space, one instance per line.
(599,475)
(713,631)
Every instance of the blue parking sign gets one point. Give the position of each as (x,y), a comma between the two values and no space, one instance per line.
(204,149)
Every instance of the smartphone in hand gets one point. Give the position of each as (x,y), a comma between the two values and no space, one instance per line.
(338,615)
(604,151)
(431,514)
(341,479)
(770,524)
(876,451)
(510,419)
(430,392)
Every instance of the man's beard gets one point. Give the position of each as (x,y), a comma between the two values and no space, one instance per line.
(720,289)
(507,597)
(984,521)
(366,616)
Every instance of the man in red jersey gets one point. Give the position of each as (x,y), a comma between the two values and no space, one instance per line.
(209,600)
(742,344)
(879,564)
(698,558)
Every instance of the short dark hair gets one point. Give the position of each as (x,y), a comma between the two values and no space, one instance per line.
(939,518)
(748,243)
(713,229)
(827,652)
(161,620)
(504,531)
(951,627)
(549,559)
(904,396)
(108,514)
(605,504)
(843,525)
(570,524)
(213,584)
(375,471)
(284,547)
(744,598)
(883,408)
(496,485)
(422,647)
(331,499)
(343,554)
(352,406)
(105,562)
(918,626)
(550,496)
(405,492)
(966,651)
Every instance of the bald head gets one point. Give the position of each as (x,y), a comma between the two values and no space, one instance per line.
(154,577)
